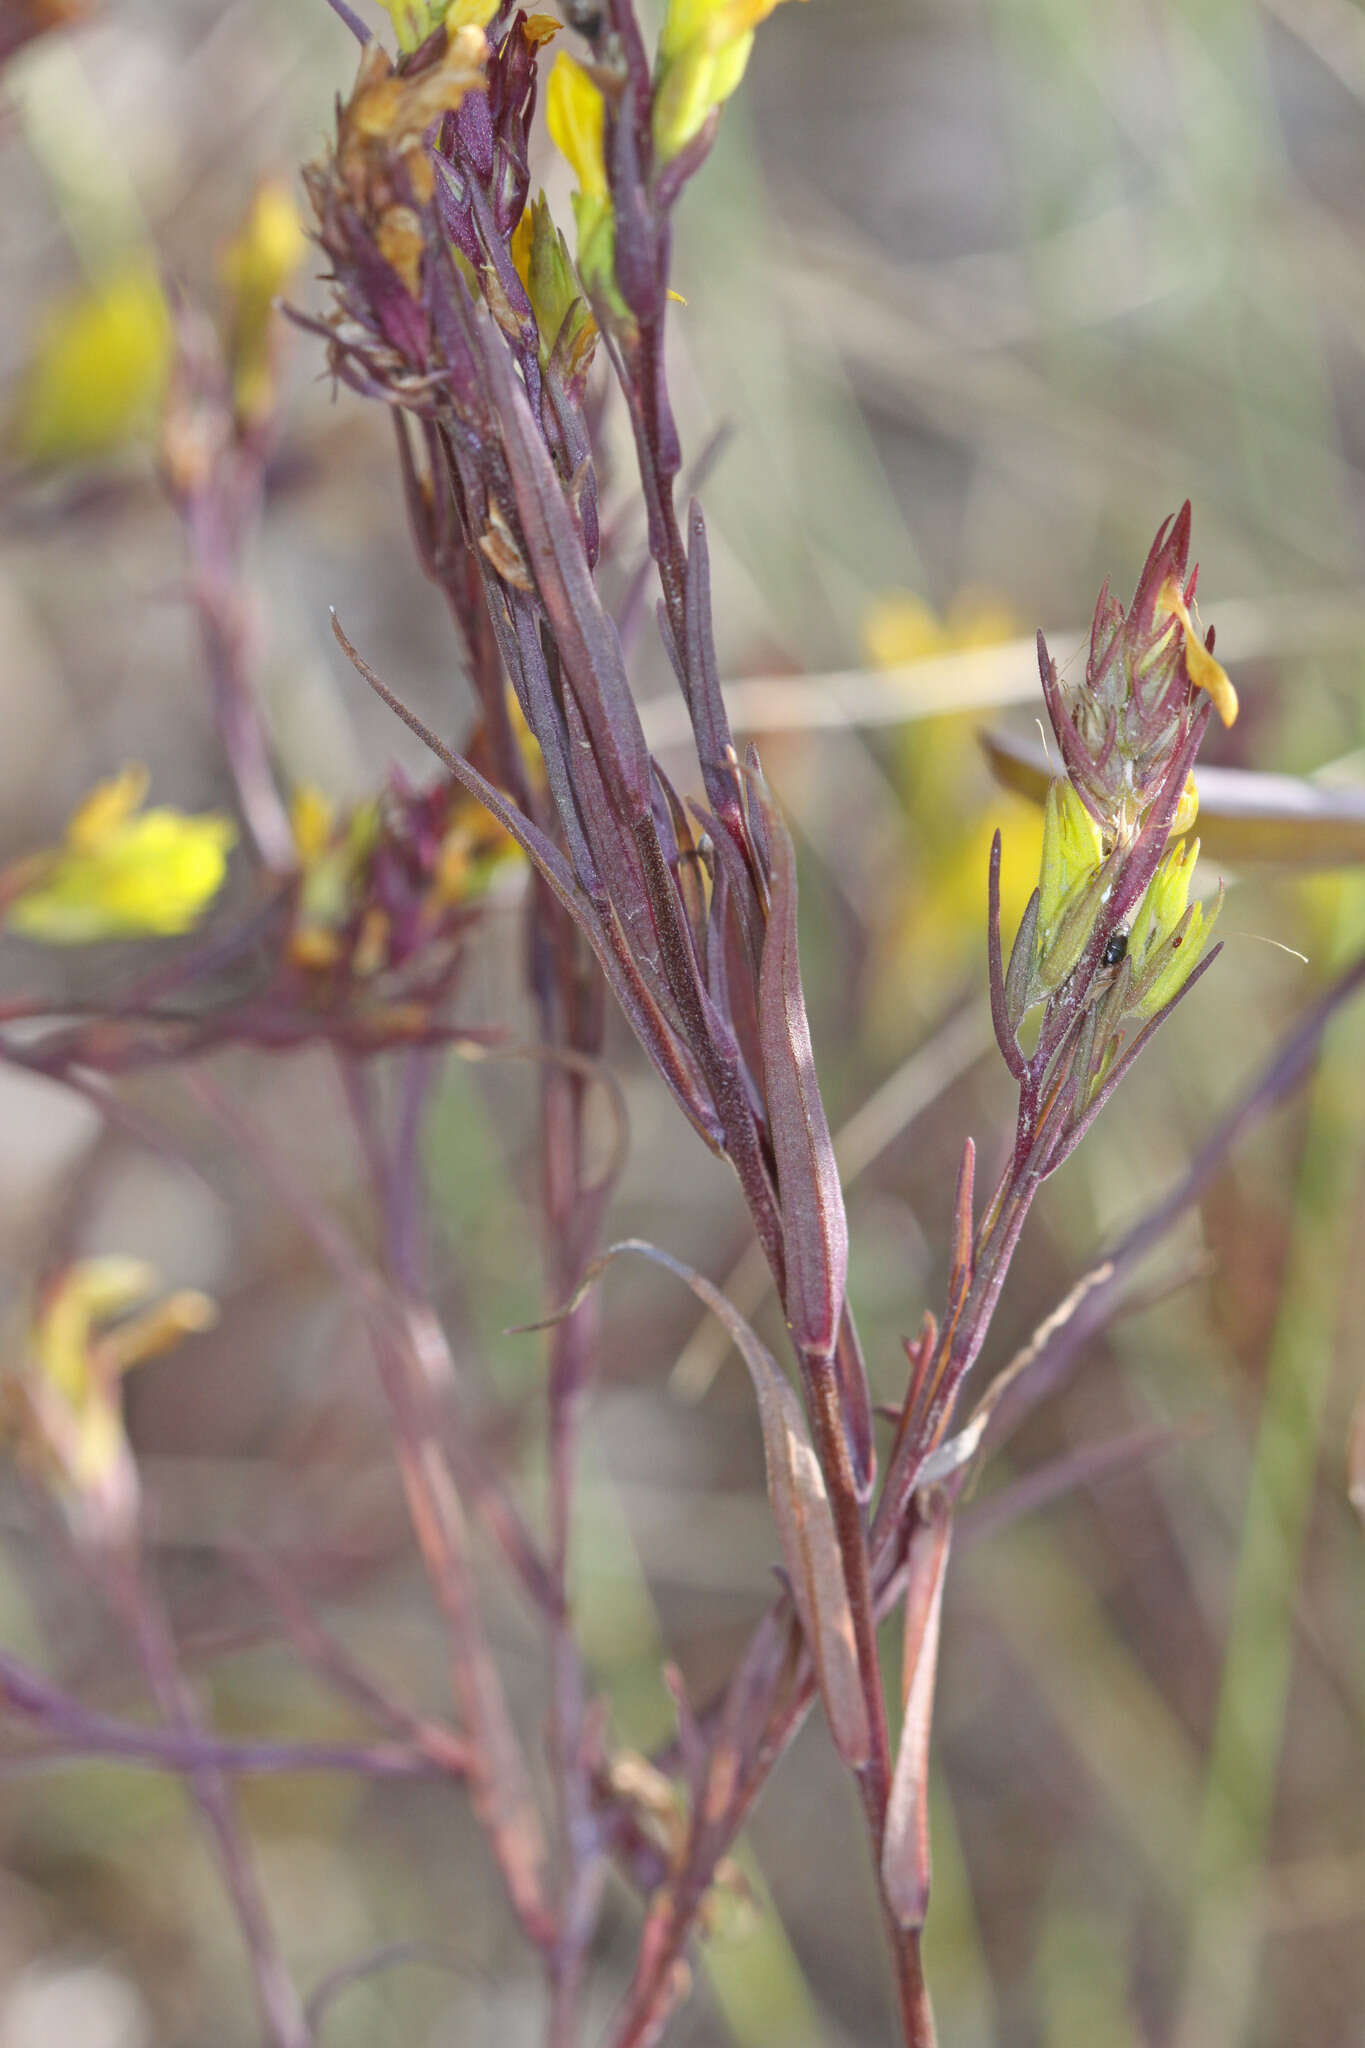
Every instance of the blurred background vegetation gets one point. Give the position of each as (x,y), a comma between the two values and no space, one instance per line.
(980,291)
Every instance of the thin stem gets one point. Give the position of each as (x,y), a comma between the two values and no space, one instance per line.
(133,1598)
(831,1445)
(783,1705)
(218,513)
(573,1349)
(500,1782)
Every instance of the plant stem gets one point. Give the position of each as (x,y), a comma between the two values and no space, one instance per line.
(138,1606)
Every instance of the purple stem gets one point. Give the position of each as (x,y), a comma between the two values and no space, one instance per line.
(133,1598)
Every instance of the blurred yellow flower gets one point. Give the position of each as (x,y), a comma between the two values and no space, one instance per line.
(931,933)
(256,267)
(704,46)
(333,855)
(97,373)
(61,1405)
(121,872)
(414,20)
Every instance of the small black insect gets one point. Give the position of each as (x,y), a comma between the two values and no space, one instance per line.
(1115,947)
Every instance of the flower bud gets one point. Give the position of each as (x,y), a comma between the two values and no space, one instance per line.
(1069,894)
(415,20)
(1167,937)
(1119,728)
(257,265)
(542,260)
(576,117)
(704,46)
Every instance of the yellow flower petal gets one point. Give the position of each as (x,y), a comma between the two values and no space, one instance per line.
(89,1291)
(1072,854)
(158,1329)
(99,816)
(122,873)
(63,1406)
(714,22)
(97,373)
(414,20)
(575,115)
(310,817)
(704,47)
(1187,810)
(1205,672)
(256,267)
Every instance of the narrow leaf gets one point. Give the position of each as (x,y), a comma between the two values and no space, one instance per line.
(800,1504)
(705,705)
(961,1277)
(1000,1009)
(905,1847)
(813,1220)
(1019,974)
(644,1015)
(587,638)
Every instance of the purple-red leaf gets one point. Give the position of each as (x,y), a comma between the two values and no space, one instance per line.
(586,637)
(654,1031)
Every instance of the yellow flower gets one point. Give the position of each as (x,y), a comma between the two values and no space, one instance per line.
(543,265)
(311,817)
(1187,810)
(929,934)
(97,373)
(1205,672)
(1073,854)
(704,46)
(333,853)
(902,628)
(256,267)
(62,1406)
(1167,938)
(576,117)
(415,20)
(121,872)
